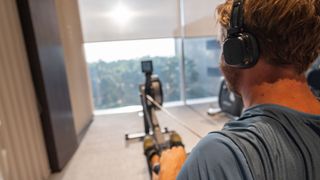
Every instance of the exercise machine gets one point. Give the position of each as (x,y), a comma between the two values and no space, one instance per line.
(229,103)
(155,139)
(313,78)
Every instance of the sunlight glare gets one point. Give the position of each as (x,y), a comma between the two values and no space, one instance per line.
(121,14)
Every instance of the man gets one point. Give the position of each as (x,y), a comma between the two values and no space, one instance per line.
(278,135)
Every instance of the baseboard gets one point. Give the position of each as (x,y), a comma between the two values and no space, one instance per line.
(83,132)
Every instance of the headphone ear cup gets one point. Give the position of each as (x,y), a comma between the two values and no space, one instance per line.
(253,49)
(241,51)
(233,51)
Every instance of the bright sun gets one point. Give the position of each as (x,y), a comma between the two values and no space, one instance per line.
(121,14)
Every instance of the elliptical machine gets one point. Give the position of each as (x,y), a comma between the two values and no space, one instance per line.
(229,103)
(313,78)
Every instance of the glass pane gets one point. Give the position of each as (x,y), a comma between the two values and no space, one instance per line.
(199,17)
(111,20)
(115,70)
(202,72)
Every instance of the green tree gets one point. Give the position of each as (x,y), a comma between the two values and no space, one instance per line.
(116,83)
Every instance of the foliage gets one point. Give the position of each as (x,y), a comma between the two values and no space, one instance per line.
(116,83)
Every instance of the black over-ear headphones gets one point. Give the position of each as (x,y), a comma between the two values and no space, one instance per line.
(240,48)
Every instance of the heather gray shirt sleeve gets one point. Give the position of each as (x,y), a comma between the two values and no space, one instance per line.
(215,157)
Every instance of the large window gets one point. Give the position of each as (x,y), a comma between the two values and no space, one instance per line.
(178,35)
(115,70)
(201,48)
(202,74)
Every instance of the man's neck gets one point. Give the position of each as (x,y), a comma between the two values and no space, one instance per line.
(291,93)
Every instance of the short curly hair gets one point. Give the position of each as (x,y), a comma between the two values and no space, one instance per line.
(288,31)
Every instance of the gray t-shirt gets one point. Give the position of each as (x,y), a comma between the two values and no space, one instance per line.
(268,142)
(216,157)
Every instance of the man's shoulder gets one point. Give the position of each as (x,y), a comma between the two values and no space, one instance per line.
(215,157)
(263,117)
(269,121)
(274,136)
(214,141)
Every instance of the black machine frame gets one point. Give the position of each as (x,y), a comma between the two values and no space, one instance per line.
(151,97)
(150,93)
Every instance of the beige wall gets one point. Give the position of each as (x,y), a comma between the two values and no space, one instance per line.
(22,150)
(71,35)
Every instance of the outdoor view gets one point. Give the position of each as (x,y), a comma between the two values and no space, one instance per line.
(202,54)
(116,83)
(115,75)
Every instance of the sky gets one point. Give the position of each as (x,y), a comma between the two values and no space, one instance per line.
(120,50)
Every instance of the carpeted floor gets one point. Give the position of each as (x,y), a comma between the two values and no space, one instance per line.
(105,155)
